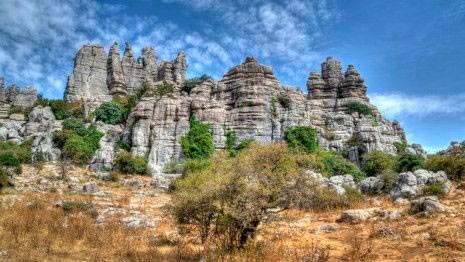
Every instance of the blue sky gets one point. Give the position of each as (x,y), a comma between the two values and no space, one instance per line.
(411,53)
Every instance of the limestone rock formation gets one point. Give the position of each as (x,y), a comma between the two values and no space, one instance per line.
(409,185)
(96,76)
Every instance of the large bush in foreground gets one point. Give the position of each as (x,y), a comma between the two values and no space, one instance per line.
(198,142)
(301,136)
(110,113)
(376,162)
(228,198)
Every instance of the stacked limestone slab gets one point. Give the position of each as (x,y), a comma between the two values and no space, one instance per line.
(248,100)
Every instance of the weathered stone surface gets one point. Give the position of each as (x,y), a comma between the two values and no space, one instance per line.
(90,187)
(115,77)
(104,156)
(337,183)
(427,205)
(372,185)
(409,185)
(357,215)
(87,83)
(40,128)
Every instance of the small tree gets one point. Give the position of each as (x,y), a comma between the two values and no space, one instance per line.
(376,162)
(301,136)
(198,142)
(110,113)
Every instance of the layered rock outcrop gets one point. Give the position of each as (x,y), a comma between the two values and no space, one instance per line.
(97,76)
(249,100)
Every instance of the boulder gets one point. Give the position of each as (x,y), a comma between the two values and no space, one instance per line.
(90,187)
(410,185)
(335,182)
(357,215)
(372,185)
(427,205)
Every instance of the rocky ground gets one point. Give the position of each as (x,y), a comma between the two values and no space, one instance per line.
(125,220)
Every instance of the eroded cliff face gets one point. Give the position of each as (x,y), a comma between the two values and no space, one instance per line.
(249,100)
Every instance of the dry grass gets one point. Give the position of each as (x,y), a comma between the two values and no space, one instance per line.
(33,229)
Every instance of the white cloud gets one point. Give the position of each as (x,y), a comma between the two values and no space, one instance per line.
(39,38)
(397,105)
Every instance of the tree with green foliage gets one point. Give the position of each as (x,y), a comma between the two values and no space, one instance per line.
(110,113)
(228,198)
(198,142)
(75,125)
(81,149)
(302,136)
(360,108)
(409,162)
(376,162)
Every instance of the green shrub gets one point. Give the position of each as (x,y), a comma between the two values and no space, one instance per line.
(13,154)
(453,165)
(193,82)
(198,142)
(376,162)
(228,199)
(174,167)
(78,143)
(75,125)
(63,110)
(273,106)
(303,137)
(360,108)
(110,113)
(389,178)
(231,139)
(336,165)
(401,147)
(161,89)
(195,165)
(433,189)
(409,162)
(41,101)
(129,164)
(20,110)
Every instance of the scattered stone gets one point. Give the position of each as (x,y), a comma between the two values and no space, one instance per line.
(385,231)
(90,187)
(427,205)
(335,182)
(325,228)
(357,215)
(134,182)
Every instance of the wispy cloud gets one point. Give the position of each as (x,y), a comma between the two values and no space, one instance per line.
(398,105)
(39,38)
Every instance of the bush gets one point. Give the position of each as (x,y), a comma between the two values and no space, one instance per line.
(376,162)
(110,113)
(78,143)
(231,139)
(453,165)
(129,164)
(230,197)
(13,154)
(434,189)
(75,125)
(409,162)
(9,159)
(63,110)
(389,178)
(360,108)
(174,167)
(20,110)
(161,89)
(198,142)
(301,136)
(193,82)
(401,147)
(336,165)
